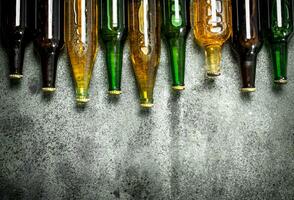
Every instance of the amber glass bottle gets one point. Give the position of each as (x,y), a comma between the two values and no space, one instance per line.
(49,40)
(212,28)
(81,37)
(175,29)
(247,39)
(144,34)
(14,34)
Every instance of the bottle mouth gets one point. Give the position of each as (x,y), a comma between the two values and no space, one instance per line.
(146,103)
(82,95)
(49,89)
(82,100)
(281,81)
(248,90)
(213,74)
(178,87)
(115,92)
(15,76)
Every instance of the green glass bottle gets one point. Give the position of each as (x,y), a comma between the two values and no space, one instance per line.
(279,31)
(113,30)
(175,29)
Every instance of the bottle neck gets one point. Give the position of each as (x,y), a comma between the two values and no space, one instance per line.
(213,60)
(280,58)
(248,70)
(114,54)
(16,57)
(177,52)
(49,67)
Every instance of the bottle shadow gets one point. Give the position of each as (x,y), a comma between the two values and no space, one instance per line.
(174,130)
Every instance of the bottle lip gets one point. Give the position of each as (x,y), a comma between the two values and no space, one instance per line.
(82,100)
(213,74)
(15,76)
(178,87)
(49,89)
(115,92)
(281,81)
(248,90)
(147,105)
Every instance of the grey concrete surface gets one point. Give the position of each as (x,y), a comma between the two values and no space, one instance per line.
(210,142)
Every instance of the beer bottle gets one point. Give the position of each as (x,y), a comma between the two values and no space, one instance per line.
(50,39)
(81,38)
(113,30)
(14,34)
(144,34)
(279,30)
(175,29)
(247,38)
(212,28)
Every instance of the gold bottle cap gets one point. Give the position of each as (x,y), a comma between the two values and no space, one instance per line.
(248,90)
(178,87)
(15,76)
(48,89)
(281,81)
(114,92)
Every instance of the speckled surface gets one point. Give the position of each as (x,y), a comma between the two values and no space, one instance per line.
(210,142)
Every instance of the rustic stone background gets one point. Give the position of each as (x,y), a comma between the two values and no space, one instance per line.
(210,142)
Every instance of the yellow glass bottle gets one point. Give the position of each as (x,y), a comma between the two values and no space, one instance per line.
(144,35)
(81,36)
(212,28)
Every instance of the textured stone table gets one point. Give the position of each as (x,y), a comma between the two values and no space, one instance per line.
(210,142)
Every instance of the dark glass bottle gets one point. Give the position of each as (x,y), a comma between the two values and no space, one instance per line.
(113,30)
(14,34)
(279,30)
(175,29)
(247,38)
(50,39)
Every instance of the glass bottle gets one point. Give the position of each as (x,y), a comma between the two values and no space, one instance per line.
(113,30)
(14,34)
(212,28)
(144,34)
(50,39)
(175,29)
(247,39)
(279,30)
(81,38)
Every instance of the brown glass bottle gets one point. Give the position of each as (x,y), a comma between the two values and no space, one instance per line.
(247,38)
(49,40)
(14,29)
